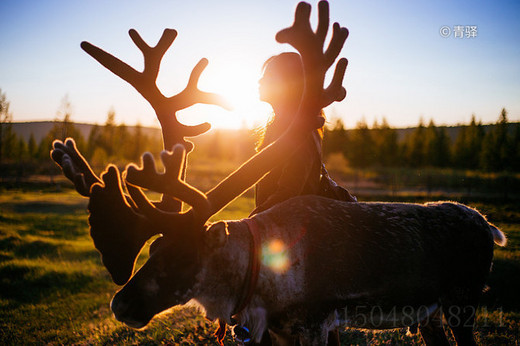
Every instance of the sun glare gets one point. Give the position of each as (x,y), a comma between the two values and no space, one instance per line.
(238,84)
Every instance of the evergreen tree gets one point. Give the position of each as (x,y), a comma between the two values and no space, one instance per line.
(415,146)
(496,147)
(138,144)
(436,146)
(121,142)
(361,151)
(335,139)
(460,151)
(515,144)
(476,135)
(108,134)
(93,141)
(32,147)
(63,128)
(7,136)
(430,134)
(442,144)
(44,148)
(386,143)
(22,153)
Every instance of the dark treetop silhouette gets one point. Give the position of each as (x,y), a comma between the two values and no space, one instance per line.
(333,262)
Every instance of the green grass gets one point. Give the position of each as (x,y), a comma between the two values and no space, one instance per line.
(54,290)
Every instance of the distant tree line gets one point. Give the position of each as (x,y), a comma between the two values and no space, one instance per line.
(473,147)
(109,142)
(494,149)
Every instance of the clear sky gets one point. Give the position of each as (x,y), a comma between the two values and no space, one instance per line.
(400,66)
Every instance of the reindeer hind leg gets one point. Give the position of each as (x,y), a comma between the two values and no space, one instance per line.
(432,330)
(461,320)
(460,316)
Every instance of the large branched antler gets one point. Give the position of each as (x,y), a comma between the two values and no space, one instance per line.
(169,182)
(145,83)
(316,60)
(74,165)
(165,108)
(316,63)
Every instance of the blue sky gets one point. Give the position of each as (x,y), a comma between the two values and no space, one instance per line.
(400,67)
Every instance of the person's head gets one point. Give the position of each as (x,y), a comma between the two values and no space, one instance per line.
(282,82)
(281,86)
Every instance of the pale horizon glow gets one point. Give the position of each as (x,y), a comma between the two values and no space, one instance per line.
(400,67)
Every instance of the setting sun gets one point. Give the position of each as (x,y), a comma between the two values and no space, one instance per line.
(237,81)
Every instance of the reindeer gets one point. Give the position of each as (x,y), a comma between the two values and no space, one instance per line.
(300,269)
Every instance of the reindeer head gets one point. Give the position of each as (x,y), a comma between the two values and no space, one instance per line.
(167,279)
(121,224)
(118,229)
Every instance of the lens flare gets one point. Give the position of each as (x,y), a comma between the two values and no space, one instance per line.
(275,256)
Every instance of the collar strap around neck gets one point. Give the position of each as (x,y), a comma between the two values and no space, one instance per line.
(253,267)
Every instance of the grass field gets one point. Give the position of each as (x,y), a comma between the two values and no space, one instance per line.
(54,290)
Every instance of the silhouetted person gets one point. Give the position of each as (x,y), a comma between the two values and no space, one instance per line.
(282,87)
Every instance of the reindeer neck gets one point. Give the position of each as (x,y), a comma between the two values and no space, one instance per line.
(224,270)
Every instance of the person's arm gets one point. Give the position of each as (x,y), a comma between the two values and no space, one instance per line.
(294,176)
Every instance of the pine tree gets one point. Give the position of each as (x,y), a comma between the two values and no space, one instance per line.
(93,141)
(44,148)
(415,146)
(108,134)
(6,132)
(121,140)
(460,149)
(63,128)
(32,147)
(442,148)
(515,144)
(430,145)
(496,148)
(335,139)
(22,150)
(476,135)
(361,151)
(387,146)
(138,143)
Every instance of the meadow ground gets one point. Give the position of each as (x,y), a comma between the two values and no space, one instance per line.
(54,290)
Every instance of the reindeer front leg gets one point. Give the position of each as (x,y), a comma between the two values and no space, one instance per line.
(314,337)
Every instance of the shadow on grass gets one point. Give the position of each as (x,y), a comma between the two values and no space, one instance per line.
(504,283)
(57,226)
(30,285)
(13,246)
(10,242)
(44,207)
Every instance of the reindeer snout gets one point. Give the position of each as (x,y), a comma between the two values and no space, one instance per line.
(127,313)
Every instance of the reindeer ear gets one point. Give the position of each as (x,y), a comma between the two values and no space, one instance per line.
(216,235)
